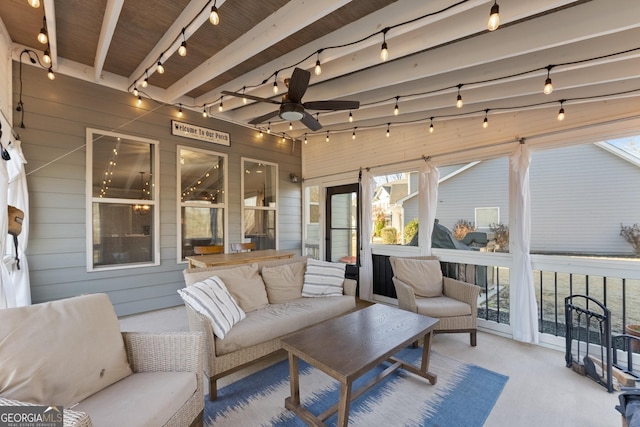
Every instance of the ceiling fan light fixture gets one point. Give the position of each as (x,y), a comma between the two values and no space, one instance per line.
(494,17)
(291,112)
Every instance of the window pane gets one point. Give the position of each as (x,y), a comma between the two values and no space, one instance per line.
(487,217)
(120,235)
(259,184)
(394,207)
(122,169)
(201,177)
(260,227)
(312,222)
(344,246)
(201,227)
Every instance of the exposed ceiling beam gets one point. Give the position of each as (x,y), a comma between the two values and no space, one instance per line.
(292,17)
(112,12)
(50,13)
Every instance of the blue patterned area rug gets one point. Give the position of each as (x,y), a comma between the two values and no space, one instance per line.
(463,396)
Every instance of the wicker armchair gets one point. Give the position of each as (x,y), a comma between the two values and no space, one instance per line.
(155,352)
(456,307)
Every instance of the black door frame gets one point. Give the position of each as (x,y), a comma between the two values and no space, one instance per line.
(331,191)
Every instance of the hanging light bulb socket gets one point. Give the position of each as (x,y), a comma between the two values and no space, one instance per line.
(43,36)
(220,106)
(318,68)
(275,83)
(180,114)
(431,128)
(160,66)
(305,138)
(34,3)
(548,86)
(350,117)
(46,57)
(182,50)
(214,17)
(494,17)
(384,50)
(204,111)
(327,138)
(51,74)
(388,130)
(396,110)
(485,123)
(353,136)
(459,102)
(145,82)
(561,114)
(244,99)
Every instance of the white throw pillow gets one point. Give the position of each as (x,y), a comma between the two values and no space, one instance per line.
(323,279)
(212,299)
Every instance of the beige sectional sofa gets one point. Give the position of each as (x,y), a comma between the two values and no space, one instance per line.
(71,353)
(270,293)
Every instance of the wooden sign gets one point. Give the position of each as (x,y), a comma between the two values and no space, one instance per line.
(200,133)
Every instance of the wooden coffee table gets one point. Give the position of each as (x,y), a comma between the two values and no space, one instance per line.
(348,346)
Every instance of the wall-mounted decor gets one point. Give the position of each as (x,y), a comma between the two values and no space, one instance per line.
(200,133)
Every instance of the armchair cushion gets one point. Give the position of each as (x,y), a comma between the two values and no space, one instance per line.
(43,377)
(284,282)
(424,276)
(323,278)
(212,299)
(442,306)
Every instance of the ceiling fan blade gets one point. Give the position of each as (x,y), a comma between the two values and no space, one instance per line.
(264,117)
(310,122)
(332,105)
(246,95)
(298,84)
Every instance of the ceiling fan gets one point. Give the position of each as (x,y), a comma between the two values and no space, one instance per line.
(292,108)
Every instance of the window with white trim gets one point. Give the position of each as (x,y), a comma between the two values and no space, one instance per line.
(202,178)
(122,201)
(259,203)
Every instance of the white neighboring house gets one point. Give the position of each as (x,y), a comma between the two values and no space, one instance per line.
(579,197)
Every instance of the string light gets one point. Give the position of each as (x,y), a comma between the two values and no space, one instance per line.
(275,83)
(459,102)
(318,68)
(548,86)
(431,128)
(214,18)
(145,82)
(182,50)
(244,99)
(47,56)
(139,100)
(494,17)
(327,138)
(269,127)
(34,3)
(290,126)
(43,36)
(350,117)
(353,136)
(485,123)
(388,130)
(220,106)
(305,138)
(180,111)
(204,111)
(396,110)
(50,74)
(135,91)
(561,112)
(384,51)
(260,134)
(160,66)
(283,139)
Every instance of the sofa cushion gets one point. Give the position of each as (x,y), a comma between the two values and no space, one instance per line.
(152,399)
(212,299)
(424,276)
(323,278)
(277,320)
(60,352)
(246,286)
(284,282)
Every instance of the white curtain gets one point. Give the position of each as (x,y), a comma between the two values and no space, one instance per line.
(7,296)
(524,310)
(427,204)
(18,196)
(367,188)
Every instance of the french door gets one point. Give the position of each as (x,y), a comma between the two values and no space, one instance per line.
(342,225)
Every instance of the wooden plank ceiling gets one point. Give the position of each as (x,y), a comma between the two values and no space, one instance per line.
(436,49)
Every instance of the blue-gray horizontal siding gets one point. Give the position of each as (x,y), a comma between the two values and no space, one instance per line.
(56,115)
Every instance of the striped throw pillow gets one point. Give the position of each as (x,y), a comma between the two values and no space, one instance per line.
(212,299)
(323,279)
